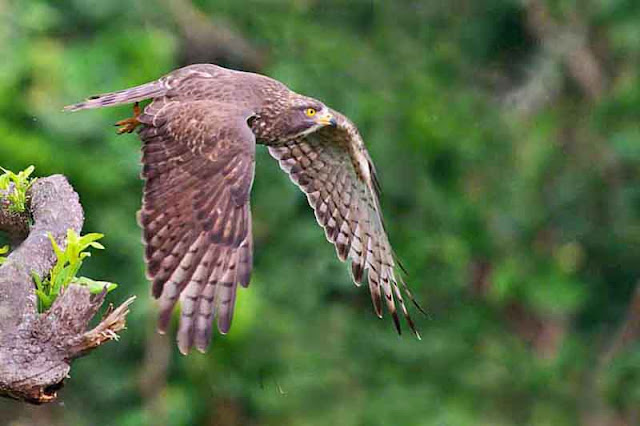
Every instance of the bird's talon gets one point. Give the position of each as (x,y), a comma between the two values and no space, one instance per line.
(128,125)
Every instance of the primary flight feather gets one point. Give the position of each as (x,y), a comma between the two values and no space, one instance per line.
(199,134)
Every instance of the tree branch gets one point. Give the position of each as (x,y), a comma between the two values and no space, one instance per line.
(36,349)
(571,43)
(212,39)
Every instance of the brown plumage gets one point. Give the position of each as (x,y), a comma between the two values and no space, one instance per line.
(199,135)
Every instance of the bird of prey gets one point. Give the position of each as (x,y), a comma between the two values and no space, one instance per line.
(199,136)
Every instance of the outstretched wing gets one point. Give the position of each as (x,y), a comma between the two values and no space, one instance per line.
(334,170)
(198,165)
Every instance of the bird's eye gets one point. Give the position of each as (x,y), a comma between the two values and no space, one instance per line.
(310,112)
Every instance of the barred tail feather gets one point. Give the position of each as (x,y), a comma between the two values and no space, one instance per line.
(181,277)
(153,89)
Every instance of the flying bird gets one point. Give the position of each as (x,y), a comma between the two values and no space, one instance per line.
(199,136)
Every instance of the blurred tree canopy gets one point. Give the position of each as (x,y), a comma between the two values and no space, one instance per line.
(507,136)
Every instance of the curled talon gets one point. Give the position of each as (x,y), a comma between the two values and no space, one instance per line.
(128,125)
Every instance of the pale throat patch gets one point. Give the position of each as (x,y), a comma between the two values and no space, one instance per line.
(308,131)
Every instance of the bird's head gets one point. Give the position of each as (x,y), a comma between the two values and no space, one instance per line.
(297,117)
(306,116)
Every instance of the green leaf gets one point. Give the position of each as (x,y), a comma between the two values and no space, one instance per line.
(95,287)
(3,250)
(56,248)
(37,280)
(68,263)
(44,299)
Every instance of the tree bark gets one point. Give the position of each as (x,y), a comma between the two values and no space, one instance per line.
(36,350)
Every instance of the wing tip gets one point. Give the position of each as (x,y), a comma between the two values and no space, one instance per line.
(421,310)
(201,349)
(164,318)
(357,273)
(377,306)
(396,322)
(412,325)
(224,323)
(408,292)
(184,337)
(377,309)
(203,337)
(184,350)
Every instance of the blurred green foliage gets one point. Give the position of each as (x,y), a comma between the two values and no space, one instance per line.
(510,193)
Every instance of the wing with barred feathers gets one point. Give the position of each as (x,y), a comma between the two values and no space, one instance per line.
(334,170)
(198,165)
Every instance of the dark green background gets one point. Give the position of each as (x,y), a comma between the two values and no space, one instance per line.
(507,137)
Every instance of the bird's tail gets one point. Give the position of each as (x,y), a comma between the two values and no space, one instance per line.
(126,96)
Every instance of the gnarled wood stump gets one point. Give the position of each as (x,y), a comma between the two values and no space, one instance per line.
(36,350)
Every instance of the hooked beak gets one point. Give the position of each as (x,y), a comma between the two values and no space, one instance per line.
(326,119)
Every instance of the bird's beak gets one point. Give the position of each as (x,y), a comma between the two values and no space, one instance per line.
(326,119)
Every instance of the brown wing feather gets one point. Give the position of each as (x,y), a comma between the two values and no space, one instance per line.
(198,165)
(334,170)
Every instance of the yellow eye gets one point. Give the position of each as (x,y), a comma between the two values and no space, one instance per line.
(310,112)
